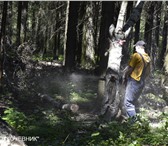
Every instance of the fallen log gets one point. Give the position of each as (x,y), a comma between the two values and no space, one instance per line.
(59,105)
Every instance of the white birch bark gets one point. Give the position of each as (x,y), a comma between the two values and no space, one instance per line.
(121,17)
(115,51)
(111,102)
(66,29)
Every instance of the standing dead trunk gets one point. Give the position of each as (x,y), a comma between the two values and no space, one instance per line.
(111,100)
(118,35)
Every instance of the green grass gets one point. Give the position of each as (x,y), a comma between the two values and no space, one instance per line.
(56,127)
(51,128)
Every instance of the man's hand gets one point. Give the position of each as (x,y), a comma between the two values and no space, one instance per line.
(126,73)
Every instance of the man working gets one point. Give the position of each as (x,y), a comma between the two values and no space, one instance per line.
(135,74)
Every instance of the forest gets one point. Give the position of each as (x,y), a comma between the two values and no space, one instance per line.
(54,57)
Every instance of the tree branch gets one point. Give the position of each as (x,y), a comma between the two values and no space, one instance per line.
(135,16)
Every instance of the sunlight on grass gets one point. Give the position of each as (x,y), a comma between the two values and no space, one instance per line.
(58,97)
(154,98)
(51,117)
(75,97)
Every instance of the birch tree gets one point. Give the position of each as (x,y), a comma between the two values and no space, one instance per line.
(117,38)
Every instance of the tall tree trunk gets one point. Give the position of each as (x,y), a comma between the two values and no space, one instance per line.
(19,23)
(45,47)
(96,23)
(107,14)
(164,53)
(158,21)
(149,25)
(165,39)
(155,32)
(88,40)
(2,38)
(117,35)
(39,37)
(125,51)
(158,9)
(134,17)
(24,19)
(129,9)
(114,61)
(34,23)
(10,19)
(82,12)
(71,42)
(57,33)
(66,30)
(55,45)
(137,30)
(56,27)
(148,32)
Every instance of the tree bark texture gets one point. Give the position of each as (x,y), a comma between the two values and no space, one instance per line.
(2,38)
(134,17)
(88,38)
(107,14)
(165,37)
(149,26)
(24,19)
(71,42)
(18,41)
(155,33)
(82,12)
(111,102)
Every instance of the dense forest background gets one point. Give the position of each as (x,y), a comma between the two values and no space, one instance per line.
(43,47)
(77,32)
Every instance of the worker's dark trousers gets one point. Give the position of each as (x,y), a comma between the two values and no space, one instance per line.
(133,91)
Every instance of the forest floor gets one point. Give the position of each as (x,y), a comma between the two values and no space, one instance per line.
(47,84)
(81,88)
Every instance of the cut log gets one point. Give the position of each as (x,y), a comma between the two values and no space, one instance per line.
(71,107)
(62,106)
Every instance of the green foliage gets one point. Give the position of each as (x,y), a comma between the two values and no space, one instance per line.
(58,128)
(61,58)
(42,58)
(15,118)
(54,127)
(47,57)
(125,134)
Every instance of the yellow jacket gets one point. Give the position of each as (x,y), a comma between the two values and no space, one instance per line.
(136,62)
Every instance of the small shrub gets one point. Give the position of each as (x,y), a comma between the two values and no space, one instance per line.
(15,118)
